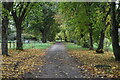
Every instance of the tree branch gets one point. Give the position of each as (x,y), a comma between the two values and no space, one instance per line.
(24,11)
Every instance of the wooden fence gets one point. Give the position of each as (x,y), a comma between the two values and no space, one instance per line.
(11,44)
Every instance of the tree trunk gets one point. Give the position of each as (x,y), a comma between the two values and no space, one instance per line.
(101,42)
(19,18)
(44,38)
(91,39)
(19,42)
(114,34)
(5,22)
(102,34)
(65,37)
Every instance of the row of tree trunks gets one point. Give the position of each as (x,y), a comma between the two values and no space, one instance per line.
(8,6)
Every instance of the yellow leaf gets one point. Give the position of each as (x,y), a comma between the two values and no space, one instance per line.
(113,67)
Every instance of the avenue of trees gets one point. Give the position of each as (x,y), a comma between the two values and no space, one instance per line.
(40,17)
(85,23)
(90,23)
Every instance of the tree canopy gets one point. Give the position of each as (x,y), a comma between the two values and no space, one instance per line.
(83,23)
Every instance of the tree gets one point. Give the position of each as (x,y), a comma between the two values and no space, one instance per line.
(19,12)
(5,21)
(105,24)
(89,14)
(114,31)
(81,20)
(42,22)
(48,20)
(53,31)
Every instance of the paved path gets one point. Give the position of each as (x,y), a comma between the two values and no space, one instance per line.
(58,64)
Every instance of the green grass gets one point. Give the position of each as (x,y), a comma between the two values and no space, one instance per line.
(32,45)
(37,45)
(72,46)
(109,48)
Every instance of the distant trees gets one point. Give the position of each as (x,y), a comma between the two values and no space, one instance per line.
(80,17)
(42,22)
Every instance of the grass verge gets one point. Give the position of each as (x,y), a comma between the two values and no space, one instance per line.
(37,45)
(72,46)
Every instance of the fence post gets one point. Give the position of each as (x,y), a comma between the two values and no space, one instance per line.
(0,45)
(13,44)
(10,44)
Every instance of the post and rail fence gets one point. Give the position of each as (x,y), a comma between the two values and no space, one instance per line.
(11,45)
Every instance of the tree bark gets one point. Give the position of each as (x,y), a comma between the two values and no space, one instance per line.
(65,37)
(19,18)
(5,22)
(114,33)
(43,38)
(19,43)
(101,42)
(91,39)
(102,34)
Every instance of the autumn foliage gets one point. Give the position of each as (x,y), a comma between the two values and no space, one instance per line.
(91,59)
(20,62)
